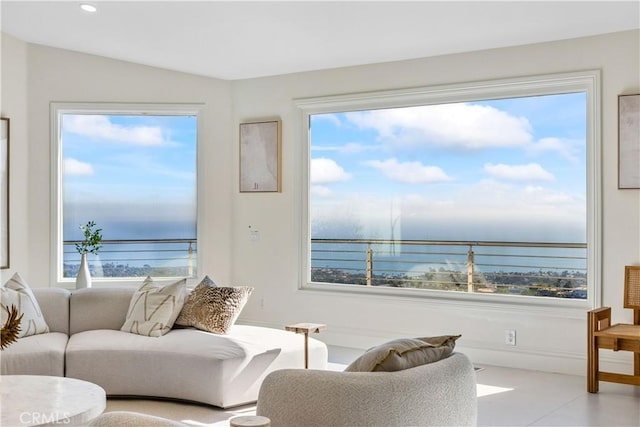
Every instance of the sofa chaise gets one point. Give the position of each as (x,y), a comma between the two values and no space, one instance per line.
(85,342)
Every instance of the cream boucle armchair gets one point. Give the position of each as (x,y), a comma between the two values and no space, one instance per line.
(437,394)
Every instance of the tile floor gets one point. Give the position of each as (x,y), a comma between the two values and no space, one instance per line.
(515,397)
(507,397)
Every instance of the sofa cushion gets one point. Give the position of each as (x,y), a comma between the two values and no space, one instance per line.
(154,308)
(17,292)
(54,304)
(214,309)
(222,370)
(98,308)
(41,354)
(404,353)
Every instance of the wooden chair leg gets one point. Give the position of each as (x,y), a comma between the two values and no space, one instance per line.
(592,354)
(636,356)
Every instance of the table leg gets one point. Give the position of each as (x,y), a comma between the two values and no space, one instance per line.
(306,350)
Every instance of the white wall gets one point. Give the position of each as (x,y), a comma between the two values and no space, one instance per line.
(46,75)
(13,91)
(33,76)
(547,339)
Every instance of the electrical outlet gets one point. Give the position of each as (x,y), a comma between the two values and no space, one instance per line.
(510,337)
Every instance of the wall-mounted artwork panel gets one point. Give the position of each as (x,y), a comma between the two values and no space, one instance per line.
(260,157)
(629,141)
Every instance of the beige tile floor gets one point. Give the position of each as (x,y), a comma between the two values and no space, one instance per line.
(506,397)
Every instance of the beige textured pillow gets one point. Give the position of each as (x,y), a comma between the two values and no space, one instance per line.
(404,353)
(154,308)
(187,315)
(16,292)
(213,309)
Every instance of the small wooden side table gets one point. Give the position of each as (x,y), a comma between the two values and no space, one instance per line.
(306,328)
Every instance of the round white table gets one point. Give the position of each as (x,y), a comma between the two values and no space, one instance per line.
(35,400)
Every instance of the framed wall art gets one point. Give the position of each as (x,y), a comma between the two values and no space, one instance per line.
(628,141)
(260,157)
(4,192)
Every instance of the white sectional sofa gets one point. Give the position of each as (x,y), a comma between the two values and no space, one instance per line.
(85,342)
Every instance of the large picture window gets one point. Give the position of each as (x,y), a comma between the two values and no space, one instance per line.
(132,171)
(478,189)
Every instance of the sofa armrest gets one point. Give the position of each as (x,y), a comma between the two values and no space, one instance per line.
(441,393)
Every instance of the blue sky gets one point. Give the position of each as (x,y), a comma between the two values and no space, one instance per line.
(135,176)
(505,170)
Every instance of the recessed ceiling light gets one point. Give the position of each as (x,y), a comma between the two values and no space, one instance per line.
(88,8)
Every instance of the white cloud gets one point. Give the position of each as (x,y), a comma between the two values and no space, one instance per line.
(100,127)
(458,125)
(529,172)
(329,117)
(512,203)
(567,149)
(486,210)
(324,171)
(148,165)
(409,172)
(72,166)
(348,148)
(321,191)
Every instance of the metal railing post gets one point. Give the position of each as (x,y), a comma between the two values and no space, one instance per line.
(499,271)
(190,261)
(470,269)
(369,265)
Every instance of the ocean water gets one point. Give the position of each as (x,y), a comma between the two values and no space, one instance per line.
(414,260)
(135,259)
(397,259)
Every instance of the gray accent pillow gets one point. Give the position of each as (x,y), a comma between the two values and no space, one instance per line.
(213,309)
(154,308)
(17,292)
(404,353)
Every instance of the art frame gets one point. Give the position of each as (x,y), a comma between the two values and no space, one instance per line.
(629,142)
(260,157)
(4,192)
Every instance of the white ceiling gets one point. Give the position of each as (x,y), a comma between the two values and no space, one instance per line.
(241,39)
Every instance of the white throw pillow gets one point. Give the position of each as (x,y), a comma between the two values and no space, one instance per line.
(16,292)
(154,308)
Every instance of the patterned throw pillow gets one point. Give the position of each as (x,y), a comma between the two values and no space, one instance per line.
(154,308)
(404,353)
(213,309)
(186,315)
(16,292)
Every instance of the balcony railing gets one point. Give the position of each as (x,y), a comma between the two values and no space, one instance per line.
(136,258)
(525,268)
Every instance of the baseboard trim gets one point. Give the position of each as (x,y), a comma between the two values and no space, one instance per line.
(543,359)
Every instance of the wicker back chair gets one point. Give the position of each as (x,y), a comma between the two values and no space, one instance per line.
(620,336)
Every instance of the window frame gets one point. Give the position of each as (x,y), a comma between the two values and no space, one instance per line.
(57,109)
(588,81)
